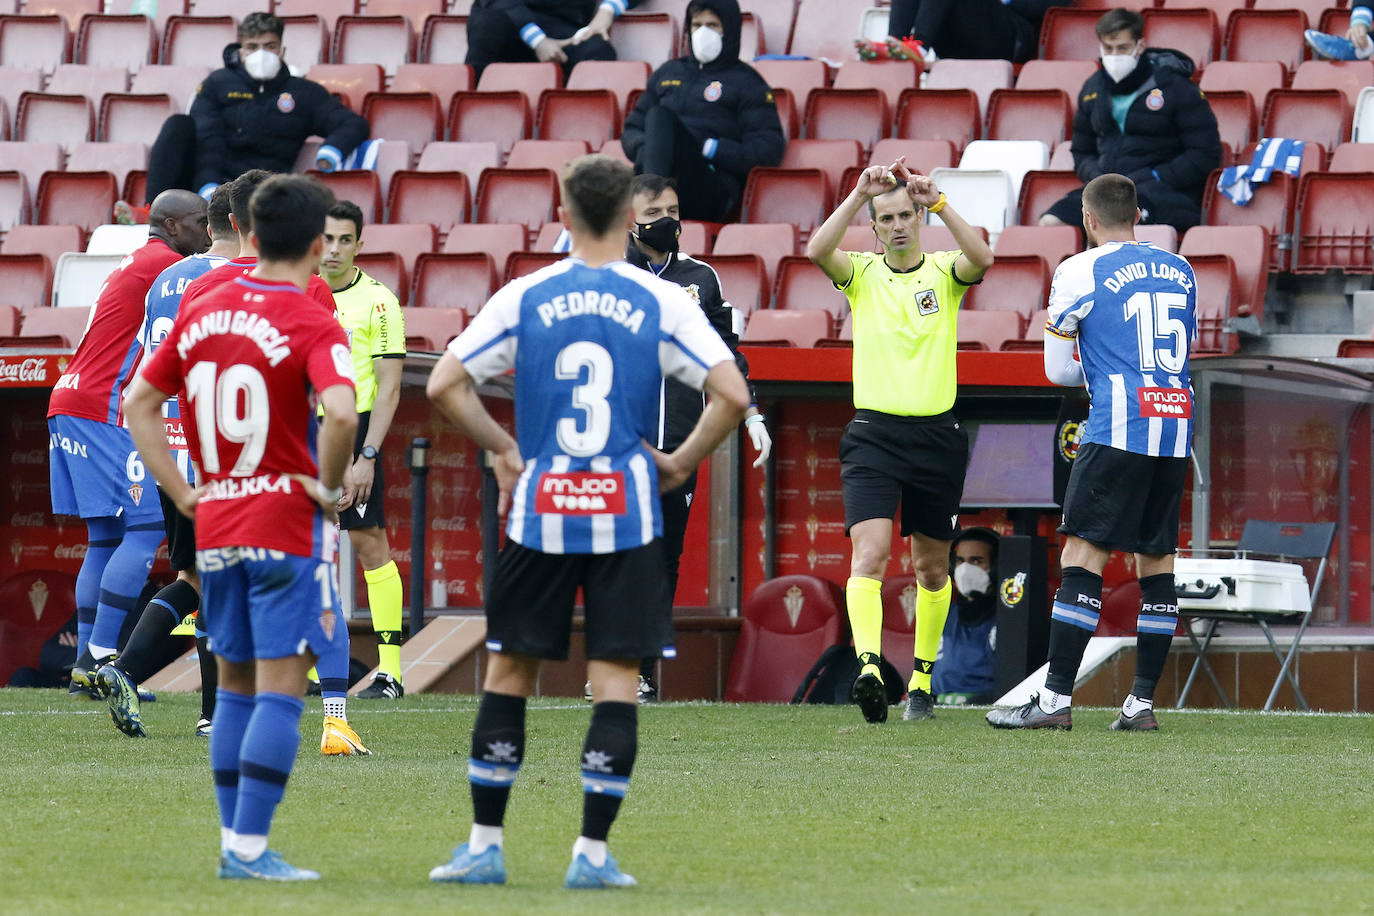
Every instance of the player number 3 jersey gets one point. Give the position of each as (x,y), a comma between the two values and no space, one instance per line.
(589,347)
(1132,308)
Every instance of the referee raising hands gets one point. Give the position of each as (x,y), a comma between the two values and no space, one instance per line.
(904,446)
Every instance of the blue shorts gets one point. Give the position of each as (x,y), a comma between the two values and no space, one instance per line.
(94,471)
(260,603)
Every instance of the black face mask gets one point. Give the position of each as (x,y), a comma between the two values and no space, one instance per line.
(660,235)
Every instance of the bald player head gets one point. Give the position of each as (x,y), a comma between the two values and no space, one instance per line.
(178,217)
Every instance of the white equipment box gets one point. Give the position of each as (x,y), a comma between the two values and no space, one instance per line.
(1212,586)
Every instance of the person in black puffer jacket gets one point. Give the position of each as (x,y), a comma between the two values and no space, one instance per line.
(562,31)
(1141,116)
(707,118)
(251,114)
(977,29)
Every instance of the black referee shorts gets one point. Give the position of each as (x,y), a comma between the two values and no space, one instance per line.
(1124,501)
(369,513)
(915,462)
(530,603)
(181,535)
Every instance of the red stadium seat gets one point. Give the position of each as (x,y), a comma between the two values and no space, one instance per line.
(532,79)
(37,43)
(1164,238)
(1070,34)
(9,321)
(407,240)
(50,241)
(797,196)
(438,198)
(775,22)
(1248,248)
(1353,157)
(899,622)
(84,199)
(845,114)
(330,10)
(578,114)
(833,157)
(196,40)
(119,159)
(796,76)
(68,325)
(860,237)
(1195,32)
(921,155)
(1316,115)
(1216,297)
(307,41)
(441,79)
(786,328)
(937,237)
(430,329)
(1068,75)
(826,29)
(1348,76)
(414,10)
(946,114)
(621,77)
(88,80)
(523,263)
(1030,114)
(30,160)
(45,118)
(1312,9)
(495,239)
(787,106)
(129,118)
(1355,348)
(1053,243)
(385,40)
(548,237)
(983,330)
(502,117)
(1271,207)
(129,42)
(770,241)
(178,82)
(787,623)
(444,40)
(468,158)
(71,10)
(553,155)
(362,186)
(415,117)
(1017,283)
(650,37)
(1236,114)
(526,196)
(351,82)
(980,76)
(1040,190)
(1033,337)
(449,280)
(743,281)
(1255,77)
(893,77)
(801,285)
(1335,223)
(1264,35)
(14,82)
(27,281)
(387,268)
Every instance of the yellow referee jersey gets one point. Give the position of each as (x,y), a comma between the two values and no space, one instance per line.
(905,333)
(371,317)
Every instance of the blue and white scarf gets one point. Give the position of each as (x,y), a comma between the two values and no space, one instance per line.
(1273,154)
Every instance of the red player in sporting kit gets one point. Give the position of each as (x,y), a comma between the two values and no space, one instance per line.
(254,358)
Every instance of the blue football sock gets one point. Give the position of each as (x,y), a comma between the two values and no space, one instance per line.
(102,537)
(269,751)
(123,581)
(232,712)
(332,665)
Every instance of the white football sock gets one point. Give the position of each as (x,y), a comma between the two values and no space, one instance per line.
(336,707)
(1135,704)
(101,654)
(226,838)
(1051,702)
(483,836)
(248,847)
(594,850)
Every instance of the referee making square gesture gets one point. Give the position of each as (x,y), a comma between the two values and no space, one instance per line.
(904,446)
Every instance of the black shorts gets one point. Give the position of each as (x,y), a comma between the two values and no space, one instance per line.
(372,514)
(530,603)
(181,535)
(1124,501)
(917,462)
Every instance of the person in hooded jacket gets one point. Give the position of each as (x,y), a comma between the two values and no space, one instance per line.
(562,31)
(966,667)
(707,118)
(250,114)
(1141,116)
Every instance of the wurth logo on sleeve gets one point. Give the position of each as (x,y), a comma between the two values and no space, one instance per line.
(1168,403)
(581,493)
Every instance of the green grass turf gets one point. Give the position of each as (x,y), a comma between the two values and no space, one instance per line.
(732,809)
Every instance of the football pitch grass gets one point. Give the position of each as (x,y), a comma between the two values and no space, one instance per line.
(732,809)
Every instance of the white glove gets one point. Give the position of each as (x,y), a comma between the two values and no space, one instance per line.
(758,434)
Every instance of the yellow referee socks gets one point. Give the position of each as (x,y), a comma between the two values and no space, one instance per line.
(865,600)
(932,608)
(384,600)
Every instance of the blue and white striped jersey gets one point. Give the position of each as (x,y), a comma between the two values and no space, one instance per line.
(589,347)
(1132,308)
(160,311)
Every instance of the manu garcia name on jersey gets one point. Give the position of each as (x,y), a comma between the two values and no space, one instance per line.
(591,302)
(1139,270)
(272,342)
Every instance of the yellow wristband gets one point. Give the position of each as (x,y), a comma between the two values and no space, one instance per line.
(939,204)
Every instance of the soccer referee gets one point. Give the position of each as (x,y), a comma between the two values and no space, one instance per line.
(904,445)
(371,316)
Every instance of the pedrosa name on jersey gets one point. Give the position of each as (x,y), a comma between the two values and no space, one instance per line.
(591,302)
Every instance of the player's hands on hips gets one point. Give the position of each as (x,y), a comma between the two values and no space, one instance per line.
(551,49)
(186,505)
(358,484)
(875,180)
(507,466)
(315,490)
(763,443)
(671,473)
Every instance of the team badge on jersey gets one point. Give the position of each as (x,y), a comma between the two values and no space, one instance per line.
(581,493)
(694,290)
(136,494)
(286,103)
(1155,100)
(712,93)
(926,303)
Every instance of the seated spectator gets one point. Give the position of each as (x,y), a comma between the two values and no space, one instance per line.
(1142,117)
(1355,44)
(966,667)
(971,29)
(520,31)
(707,118)
(250,114)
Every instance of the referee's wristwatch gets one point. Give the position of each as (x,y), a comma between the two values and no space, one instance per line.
(369,453)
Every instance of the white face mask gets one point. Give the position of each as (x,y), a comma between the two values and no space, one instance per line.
(1119,66)
(707,44)
(262,65)
(971,580)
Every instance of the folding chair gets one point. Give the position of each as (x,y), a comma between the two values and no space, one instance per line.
(1283,541)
